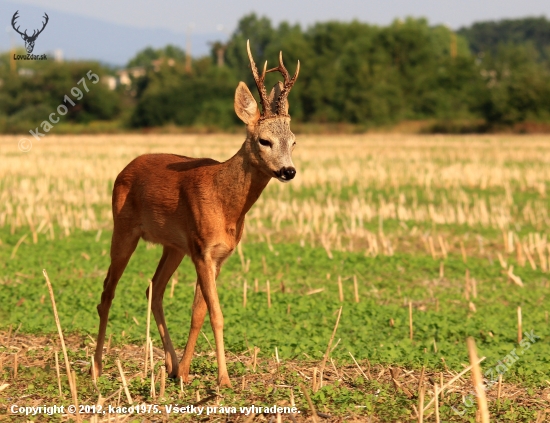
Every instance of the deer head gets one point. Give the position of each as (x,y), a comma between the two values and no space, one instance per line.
(29,39)
(270,139)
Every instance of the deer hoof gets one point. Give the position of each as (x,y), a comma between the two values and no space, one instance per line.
(224,381)
(95,370)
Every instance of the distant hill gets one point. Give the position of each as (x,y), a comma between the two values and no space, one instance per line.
(486,36)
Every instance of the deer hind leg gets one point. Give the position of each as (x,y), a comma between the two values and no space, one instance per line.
(171,258)
(197,320)
(122,247)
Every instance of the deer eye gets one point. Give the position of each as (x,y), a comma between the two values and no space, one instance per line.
(265,143)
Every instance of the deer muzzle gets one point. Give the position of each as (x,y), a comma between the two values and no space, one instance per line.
(286,174)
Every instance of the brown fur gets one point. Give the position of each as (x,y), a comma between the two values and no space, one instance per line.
(193,207)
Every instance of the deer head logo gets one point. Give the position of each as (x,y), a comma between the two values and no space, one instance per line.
(29,39)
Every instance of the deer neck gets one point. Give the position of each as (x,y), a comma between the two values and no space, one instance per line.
(239,183)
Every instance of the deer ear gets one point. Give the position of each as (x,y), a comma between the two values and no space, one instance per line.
(274,96)
(245,105)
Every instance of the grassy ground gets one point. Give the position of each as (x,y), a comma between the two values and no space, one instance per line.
(453,227)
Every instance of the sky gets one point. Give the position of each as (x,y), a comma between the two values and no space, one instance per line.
(142,22)
(175,15)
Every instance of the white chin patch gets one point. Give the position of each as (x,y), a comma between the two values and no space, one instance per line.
(283,180)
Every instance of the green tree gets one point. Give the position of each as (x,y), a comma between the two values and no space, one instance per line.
(147,56)
(486,37)
(517,86)
(358,73)
(36,89)
(173,96)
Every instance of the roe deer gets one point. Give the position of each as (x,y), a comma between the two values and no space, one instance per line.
(197,207)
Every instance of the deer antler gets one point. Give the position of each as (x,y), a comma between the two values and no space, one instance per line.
(24,34)
(266,110)
(289,82)
(13,24)
(43,24)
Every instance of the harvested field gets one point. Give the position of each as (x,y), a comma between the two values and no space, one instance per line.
(423,241)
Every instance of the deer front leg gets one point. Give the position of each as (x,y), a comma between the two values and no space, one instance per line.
(207,271)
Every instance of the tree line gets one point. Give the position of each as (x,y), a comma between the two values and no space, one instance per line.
(491,74)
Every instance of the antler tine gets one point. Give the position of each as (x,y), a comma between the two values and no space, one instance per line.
(295,77)
(13,19)
(43,23)
(283,70)
(287,87)
(264,72)
(259,81)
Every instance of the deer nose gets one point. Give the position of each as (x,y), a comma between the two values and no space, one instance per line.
(288,173)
